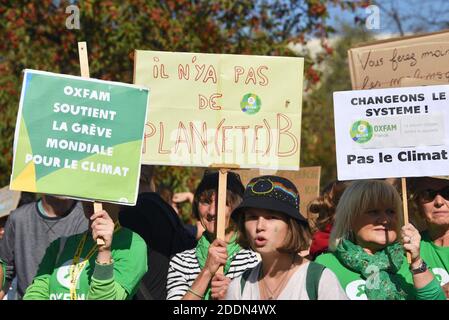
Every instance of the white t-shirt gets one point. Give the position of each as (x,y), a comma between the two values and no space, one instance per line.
(329,287)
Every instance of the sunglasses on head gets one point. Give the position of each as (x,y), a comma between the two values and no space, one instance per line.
(428,195)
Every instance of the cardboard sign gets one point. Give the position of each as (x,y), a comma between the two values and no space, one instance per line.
(384,64)
(221,109)
(401,132)
(413,82)
(9,200)
(306,180)
(79,137)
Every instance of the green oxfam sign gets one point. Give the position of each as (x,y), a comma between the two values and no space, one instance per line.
(250,103)
(79,137)
(361,131)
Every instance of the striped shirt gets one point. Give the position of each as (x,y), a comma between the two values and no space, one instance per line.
(184,268)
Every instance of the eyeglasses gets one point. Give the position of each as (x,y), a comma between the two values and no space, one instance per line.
(428,195)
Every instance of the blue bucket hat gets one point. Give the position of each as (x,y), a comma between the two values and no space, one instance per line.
(272,193)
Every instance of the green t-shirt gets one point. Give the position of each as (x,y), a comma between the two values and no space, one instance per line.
(52,281)
(436,258)
(3,277)
(354,284)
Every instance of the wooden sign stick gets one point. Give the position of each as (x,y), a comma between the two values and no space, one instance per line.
(221,218)
(405,209)
(84,66)
(221,213)
(84,62)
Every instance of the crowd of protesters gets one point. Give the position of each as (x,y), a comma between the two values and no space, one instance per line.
(60,249)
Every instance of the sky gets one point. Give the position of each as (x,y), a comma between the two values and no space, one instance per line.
(415,16)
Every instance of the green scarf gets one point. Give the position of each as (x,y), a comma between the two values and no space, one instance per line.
(379,285)
(202,250)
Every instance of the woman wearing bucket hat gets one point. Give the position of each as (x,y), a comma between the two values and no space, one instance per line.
(366,255)
(271,224)
(192,274)
(431,195)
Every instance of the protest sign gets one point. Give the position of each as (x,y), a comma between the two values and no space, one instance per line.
(383,64)
(401,132)
(221,109)
(413,82)
(307,180)
(79,137)
(8,200)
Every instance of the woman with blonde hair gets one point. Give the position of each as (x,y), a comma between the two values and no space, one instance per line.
(366,253)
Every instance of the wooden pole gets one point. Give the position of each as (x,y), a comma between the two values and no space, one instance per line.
(84,66)
(221,218)
(405,209)
(84,62)
(221,213)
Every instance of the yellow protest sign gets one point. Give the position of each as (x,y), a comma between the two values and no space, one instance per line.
(221,109)
(306,180)
(384,64)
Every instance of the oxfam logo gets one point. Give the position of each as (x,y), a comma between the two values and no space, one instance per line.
(361,131)
(250,103)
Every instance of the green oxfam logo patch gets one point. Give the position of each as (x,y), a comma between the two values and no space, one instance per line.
(250,103)
(361,131)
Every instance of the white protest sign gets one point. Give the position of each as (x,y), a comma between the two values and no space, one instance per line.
(398,132)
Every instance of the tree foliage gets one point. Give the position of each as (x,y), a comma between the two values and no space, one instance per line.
(34,35)
(318,145)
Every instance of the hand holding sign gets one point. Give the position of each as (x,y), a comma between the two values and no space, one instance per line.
(102,229)
(411,241)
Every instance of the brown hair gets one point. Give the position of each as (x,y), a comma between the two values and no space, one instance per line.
(297,239)
(321,211)
(416,211)
(147,177)
(209,186)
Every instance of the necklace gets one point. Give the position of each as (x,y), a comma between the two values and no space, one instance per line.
(76,268)
(273,294)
